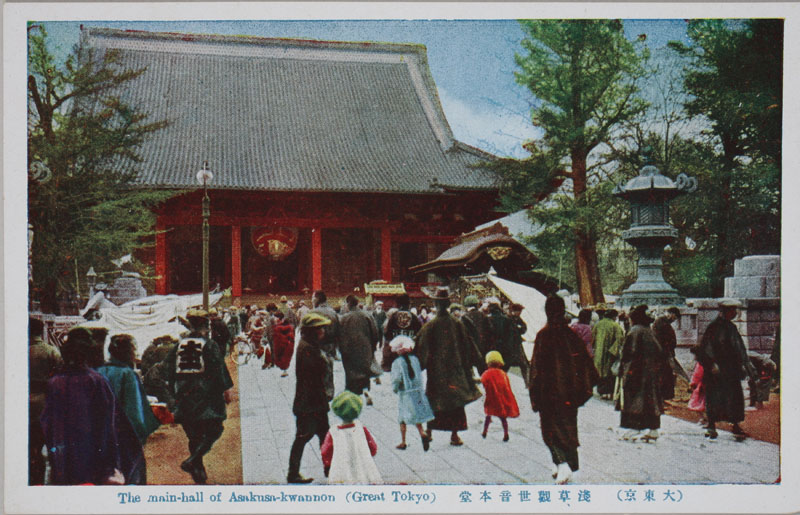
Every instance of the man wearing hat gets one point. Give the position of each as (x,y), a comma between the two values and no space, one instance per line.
(359,339)
(723,356)
(288,313)
(506,338)
(477,324)
(201,382)
(400,322)
(312,368)
(665,335)
(445,349)
(607,340)
(44,361)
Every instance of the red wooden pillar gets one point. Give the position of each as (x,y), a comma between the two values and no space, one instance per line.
(386,254)
(236,260)
(161,260)
(316,258)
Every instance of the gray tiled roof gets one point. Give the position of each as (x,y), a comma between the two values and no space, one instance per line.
(278,114)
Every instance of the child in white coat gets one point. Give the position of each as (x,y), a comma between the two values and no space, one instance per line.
(349,447)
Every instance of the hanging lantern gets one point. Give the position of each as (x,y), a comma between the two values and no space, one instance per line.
(274,243)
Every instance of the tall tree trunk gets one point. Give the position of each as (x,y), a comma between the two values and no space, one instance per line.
(587,271)
(724,254)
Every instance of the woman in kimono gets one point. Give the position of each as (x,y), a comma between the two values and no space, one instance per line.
(412,404)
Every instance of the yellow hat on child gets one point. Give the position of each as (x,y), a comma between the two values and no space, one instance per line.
(494,357)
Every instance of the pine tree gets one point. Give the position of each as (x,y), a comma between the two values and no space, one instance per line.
(583,75)
(734,74)
(83,205)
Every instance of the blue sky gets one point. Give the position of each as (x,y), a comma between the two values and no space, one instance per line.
(472,61)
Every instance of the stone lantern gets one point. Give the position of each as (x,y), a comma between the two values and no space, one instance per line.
(649,194)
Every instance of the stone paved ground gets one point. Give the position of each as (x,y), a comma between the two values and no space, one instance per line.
(681,455)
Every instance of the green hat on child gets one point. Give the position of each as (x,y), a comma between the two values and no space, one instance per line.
(347,406)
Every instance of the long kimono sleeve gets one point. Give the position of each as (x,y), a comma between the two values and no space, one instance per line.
(534,374)
(326,450)
(397,376)
(373,447)
(137,408)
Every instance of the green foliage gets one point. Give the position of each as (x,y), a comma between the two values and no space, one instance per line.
(84,211)
(584,76)
(734,75)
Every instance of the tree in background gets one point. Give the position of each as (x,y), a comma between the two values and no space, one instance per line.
(583,75)
(734,76)
(82,151)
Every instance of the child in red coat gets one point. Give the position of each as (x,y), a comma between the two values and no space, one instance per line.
(499,400)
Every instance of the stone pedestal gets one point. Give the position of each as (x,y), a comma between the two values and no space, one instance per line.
(126,288)
(755,277)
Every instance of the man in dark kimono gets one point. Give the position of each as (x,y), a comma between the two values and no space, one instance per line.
(358,342)
(643,366)
(44,360)
(723,356)
(310,399)
(445,350)
(201,382)
(477,324)
(562,377)
(220,332)
(665,334)
(400,322)
(506,338)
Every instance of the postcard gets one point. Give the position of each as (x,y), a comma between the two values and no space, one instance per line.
(399,257)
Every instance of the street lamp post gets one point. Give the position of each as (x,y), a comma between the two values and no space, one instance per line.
(204,176)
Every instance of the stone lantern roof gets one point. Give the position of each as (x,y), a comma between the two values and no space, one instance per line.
(650,183)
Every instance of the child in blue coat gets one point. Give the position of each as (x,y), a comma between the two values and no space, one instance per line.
(412,405)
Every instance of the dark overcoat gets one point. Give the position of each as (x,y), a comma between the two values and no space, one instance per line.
(198,395)
(506,339)
(722,345)
(643,365)
(357,343)
(311,369)
(562,374)
(444,348)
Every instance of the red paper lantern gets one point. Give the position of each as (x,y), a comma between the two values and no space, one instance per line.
(274,243)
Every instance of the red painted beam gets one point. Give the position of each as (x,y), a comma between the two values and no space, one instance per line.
(386,254)
(161,259)
(316,258)
(236,260)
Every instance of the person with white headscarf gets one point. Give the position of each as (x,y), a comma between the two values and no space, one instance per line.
(412,404)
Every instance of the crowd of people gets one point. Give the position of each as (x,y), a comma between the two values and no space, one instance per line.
(94,417)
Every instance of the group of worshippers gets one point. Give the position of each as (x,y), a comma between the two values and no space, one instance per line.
(444,346)
(271,331)
(94,417)
(638,370)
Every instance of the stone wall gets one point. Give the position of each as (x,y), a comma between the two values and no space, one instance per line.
(756,282)
(757,321)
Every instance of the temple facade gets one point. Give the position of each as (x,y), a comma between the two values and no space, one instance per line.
(333,164)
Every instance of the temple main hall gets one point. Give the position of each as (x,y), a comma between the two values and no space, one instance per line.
(333,164)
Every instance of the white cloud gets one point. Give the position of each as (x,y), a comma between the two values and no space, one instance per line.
(488,127)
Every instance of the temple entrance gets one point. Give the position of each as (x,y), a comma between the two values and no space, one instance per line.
(350,258)
(185,263)
(272,274)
